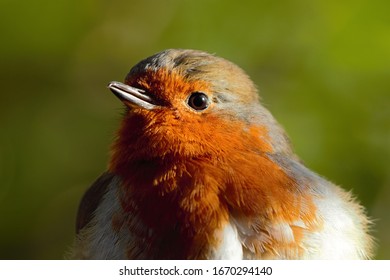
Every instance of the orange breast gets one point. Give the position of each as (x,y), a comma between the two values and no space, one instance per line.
(184,173)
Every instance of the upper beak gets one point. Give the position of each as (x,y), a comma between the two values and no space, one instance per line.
(132,96)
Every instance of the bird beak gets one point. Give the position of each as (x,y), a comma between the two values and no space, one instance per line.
(131,96)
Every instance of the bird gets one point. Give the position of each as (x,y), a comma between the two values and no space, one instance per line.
(200,169)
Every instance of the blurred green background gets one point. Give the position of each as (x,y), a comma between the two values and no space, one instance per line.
(323,69)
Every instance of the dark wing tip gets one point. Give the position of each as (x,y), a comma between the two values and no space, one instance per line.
(91,200)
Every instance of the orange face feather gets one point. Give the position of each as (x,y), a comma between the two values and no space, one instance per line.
(196,153)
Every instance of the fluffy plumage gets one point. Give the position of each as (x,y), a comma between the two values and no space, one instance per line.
(219,182)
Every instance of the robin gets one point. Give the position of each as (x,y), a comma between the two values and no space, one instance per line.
(201,170)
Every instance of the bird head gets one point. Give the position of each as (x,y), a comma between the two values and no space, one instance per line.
(188,104)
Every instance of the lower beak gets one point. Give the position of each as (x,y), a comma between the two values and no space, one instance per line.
(131,96)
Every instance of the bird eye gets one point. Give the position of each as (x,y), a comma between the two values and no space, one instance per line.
(198,101)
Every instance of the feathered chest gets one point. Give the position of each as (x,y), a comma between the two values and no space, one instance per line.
(192,206)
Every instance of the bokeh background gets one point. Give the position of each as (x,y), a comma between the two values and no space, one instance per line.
(322,67)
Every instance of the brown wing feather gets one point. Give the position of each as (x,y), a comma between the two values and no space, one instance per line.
(91,200)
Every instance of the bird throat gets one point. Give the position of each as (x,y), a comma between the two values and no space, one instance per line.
(184,202)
